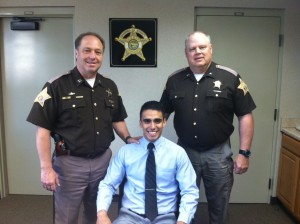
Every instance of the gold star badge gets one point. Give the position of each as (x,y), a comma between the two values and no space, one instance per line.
(42,97)
(217,84)
(133,40)
(243,87)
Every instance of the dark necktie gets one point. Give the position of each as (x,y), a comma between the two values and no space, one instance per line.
(150,185)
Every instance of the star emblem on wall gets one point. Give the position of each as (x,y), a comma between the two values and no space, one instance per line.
(133,40)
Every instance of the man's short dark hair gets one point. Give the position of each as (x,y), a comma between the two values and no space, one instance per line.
(79,38)
(152,105)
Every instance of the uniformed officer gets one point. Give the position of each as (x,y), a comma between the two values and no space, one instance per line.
(80,110)
(205,96)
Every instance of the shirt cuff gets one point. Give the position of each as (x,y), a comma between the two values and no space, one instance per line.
(102,207)
(185,217)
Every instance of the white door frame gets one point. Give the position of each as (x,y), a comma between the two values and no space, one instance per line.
(20,12)
(3,166)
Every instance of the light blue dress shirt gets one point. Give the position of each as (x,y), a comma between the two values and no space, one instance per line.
(173,170)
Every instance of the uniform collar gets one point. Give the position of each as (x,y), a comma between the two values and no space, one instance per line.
(210,72)
(189,74)
(80,80)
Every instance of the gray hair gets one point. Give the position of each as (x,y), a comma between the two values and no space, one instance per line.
(196,32)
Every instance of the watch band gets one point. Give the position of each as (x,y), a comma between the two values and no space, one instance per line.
(126,139)
(245,153)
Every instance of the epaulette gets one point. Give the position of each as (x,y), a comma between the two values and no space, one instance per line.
(106,77)
(58,76)
(177,71)
(227,69)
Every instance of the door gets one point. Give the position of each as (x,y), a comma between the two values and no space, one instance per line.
(30,58)
(248,42)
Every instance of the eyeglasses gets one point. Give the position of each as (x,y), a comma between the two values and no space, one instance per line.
(156,120)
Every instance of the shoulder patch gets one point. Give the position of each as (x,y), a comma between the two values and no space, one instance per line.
(58,76)
(42,97)
(227,69)
(243,87)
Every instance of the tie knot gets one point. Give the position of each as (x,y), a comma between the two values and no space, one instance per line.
(150,146)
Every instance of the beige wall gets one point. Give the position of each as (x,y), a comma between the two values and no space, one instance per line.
(175,21)
(27,3)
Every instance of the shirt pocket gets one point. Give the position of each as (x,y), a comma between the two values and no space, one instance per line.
(110,103)
(217,100)
(110,108)
(177,95)
(177,98)
(73,109)
(73,103)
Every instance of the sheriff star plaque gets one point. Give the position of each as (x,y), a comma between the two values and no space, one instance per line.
(133,42)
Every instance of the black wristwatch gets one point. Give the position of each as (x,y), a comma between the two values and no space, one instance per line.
(245,153)
(126,139)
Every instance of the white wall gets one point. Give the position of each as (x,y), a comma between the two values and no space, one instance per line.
(138,85)
(175,21)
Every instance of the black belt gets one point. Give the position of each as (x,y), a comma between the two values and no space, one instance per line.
(68,152)
(197,148)
(142,215)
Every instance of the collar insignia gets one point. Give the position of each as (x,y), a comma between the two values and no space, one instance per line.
(109,93)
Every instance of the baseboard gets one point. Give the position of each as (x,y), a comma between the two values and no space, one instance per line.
(286,210)
(273,200)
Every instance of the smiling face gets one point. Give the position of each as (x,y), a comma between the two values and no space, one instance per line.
(89,56)
(152,122)
(198,52)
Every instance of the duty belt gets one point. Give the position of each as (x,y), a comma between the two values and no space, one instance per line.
(60,150)
(197,148)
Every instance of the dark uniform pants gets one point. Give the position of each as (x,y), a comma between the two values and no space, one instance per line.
(79,179)
(215,168)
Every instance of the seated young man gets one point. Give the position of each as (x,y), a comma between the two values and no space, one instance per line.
(173,174)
